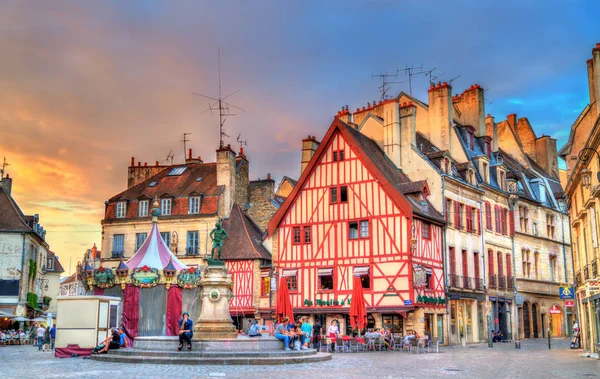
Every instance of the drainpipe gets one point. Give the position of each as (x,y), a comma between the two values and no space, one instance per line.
(512,203)
(22,268)
(481,229)
(562,226)
(444,261)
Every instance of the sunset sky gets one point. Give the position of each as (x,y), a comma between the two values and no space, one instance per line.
(86,85)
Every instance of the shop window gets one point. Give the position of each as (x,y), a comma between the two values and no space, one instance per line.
(365,277)
(370,322)
(395,323)
(325,279)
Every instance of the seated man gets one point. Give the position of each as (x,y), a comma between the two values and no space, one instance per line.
(253,330)
(282,333)
(123,342)
(186,331)
(112,342)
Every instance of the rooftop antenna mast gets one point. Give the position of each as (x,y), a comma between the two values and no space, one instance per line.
(170,156)
(221,105)
(185,141)
(242,142)
(432,77)
(412,71)
(4,165)
(385,82)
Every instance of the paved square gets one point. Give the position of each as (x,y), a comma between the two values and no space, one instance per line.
(534,360)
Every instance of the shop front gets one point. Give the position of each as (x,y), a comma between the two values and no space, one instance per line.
(500,308)
(466,317)
(555,319)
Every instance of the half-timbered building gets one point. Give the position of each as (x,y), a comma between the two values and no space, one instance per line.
(353,212)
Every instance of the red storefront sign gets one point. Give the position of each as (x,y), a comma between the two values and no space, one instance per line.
(554,310)
(569,303)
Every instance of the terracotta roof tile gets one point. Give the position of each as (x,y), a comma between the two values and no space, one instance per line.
(244,241)
(11,217)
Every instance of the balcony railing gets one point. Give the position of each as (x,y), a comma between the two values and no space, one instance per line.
(578,279)
(586,272)
(478,284)
(492,283)
(191,251)
(466,282)
(501,281)
(595,268)
(509,282)
(118,254)
(454,281)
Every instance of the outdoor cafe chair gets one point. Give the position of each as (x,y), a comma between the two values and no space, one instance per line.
(361,344)
(340,345)
(398,343)
(353,345)
(414,345)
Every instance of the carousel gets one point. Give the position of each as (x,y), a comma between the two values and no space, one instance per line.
(154,286)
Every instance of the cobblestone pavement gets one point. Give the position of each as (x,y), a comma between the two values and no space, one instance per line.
(534,360)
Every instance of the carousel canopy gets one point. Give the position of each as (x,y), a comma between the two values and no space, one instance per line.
(154,253)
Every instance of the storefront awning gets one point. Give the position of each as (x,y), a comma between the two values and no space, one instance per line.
(324,271)
(402,313)
(289,273)
(360,271)
(264,274)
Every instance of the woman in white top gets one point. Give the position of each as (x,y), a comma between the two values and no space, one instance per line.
(333,332)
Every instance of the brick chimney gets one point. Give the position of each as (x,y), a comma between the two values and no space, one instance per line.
(6,184)
(471,109)
(191,159)
(593,68)
(139,173)
(491,130)
(242,169)
(526,136)
(391,131)
(345,115)
(408,130)
(309,146)
(545,154)
(226,176)
(440,115)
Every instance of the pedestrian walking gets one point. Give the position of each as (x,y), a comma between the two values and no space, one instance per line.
(40,337)
(52,336)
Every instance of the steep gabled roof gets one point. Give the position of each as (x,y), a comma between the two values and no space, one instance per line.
(245,237)
(57,266)
(389,176)
(11,217)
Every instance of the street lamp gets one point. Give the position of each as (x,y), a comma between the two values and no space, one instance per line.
(586,177)
(512,185)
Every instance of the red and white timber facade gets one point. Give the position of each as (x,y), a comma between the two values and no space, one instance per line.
(353,213)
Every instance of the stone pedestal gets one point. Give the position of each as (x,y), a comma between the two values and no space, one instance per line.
(215,321)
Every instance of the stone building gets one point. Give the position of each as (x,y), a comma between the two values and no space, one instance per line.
(285,187)
(26,266)
(582,187)
(192,197)
(484,177)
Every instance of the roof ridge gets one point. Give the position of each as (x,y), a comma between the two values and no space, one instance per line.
(246,230)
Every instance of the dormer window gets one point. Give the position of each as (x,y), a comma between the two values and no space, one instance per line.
(471,177)
(484,171)
(502,179)
(194,205)
(446,165)
(143,208)
(165,207)
(121,209)
(488,148)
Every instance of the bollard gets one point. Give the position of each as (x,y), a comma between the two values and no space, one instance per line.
(517,344)
(490,340)
(549,339)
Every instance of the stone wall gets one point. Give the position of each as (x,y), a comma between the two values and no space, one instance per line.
(262,209)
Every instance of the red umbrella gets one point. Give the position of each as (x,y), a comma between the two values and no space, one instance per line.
(284,303)
(358,310)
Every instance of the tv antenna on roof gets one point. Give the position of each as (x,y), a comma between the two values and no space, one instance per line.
(169,158)
(385,83)
(221,105)
(4,165)
(412,71)
(185,141)
(242,142)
